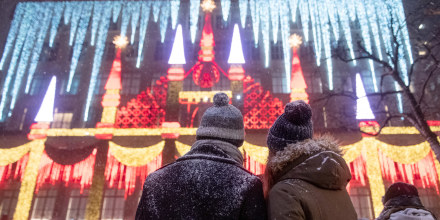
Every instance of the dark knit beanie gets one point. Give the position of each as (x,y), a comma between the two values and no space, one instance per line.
(222,122)
(294,125)
(400,189)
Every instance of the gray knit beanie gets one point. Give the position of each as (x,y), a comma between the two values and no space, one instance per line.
(294,125)
(222,122)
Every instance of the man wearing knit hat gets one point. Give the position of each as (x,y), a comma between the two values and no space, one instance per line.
(306,177)
(209,182)
(402,202)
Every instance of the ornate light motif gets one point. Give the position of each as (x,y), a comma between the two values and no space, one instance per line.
(120,41)
(295,41)
(208,5)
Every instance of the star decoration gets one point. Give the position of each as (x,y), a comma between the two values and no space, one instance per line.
(120,41)
(208,5)
(295,41)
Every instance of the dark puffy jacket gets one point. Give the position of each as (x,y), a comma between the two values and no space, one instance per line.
(309,183)
(401,205)
(206,183)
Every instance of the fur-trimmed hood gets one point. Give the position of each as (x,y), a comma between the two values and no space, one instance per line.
(317,161)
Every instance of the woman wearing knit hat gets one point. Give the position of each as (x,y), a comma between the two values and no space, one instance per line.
(402,202)
(209,182)
(306,178)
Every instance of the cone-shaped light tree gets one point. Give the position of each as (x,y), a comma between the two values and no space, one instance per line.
(45,114)
(298,85)
(236,71)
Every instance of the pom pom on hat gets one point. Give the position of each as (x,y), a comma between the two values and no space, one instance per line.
(298,112)
(221,99)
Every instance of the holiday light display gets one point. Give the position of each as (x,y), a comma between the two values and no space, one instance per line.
(79,42)
(45,114)
(77,8)
(175,5)
(255,20)
(13,30)
(226,5)
(178,52)
(194,18)
(322,16)
(243,6)
(298,85)
(135,15)
(236,52)
(265,30)
(99,51)
(163,23)
(145,16)
(363,108)
(275,18)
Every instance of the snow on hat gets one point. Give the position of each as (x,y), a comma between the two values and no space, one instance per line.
(400,189)
(294,125)
(222,121)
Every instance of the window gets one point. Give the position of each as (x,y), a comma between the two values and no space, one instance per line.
(361,199)
(131,83)
(73,87)
(8,201)
(38,85)
(44,204)
(49,53)
(158,53)
(279,84)
(277,51)
(77,204)
(113,206)
(62,120)
(219,22)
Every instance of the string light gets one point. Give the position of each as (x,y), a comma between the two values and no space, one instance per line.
(145,16)
(116,10)
(18,16)
(315,29)
(285,34)
(372,16)
(74,19)
(97,13)
(156,10)
(263,8)
(325,25)
(164,14)
(175,5)
(226,5)
(79,42)
(135,14)
(68,12)
(274,17)
(24,57)
(125,18)
(255,20)
(243,6)
(304,14)
(194,18)
(345,24)
(332,15)
(99,51)
(21,37)
(293,4)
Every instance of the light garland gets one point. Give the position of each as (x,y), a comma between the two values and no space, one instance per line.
(13,30)
(226,5)
(116,10)
(97,13)
(29,180)
(377,187)
(405,154)
(243,5)
(263,8)
(74,18)
(135,16)
(194,18)
(175,5)
(12,155)
(163,23)
(257,153)
(351,152)
(182,148)
(274,7)
(200,96)
(135,156)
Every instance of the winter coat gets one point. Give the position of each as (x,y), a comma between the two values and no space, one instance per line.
(309,182)
(405,208)
(209,182)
